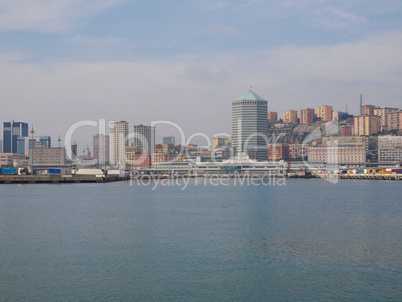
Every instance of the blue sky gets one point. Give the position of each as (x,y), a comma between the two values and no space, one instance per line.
(62,61)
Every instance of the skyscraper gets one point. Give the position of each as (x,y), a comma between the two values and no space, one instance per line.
(144,137)
(118,142)
(101,148)
(11,131)
(249,124)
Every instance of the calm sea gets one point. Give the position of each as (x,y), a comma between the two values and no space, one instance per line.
(307,241)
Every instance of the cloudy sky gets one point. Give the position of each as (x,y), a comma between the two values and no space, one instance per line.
(62,61)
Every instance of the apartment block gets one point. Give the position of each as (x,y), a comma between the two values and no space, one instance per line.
(367,124)
(307,116)
(290,116)
(325,113)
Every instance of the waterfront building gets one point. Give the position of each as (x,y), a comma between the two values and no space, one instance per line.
(218,142)
(144,137)
(346,141)
(118,142)
(27,142)
(366,124)
(307,116)
(250,124)
(169,140)
(8,159)
(389,149)
(394,120)
(136,158)
(337,155)
(278,151)
(272,116)
(298,151)
(40,156)
(325,113)
(11,131)
(290,116)
(101,148)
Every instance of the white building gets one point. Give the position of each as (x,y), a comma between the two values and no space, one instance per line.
(389,149)
(118,142)
(338,155)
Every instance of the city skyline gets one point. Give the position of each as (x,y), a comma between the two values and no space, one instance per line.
(104,58)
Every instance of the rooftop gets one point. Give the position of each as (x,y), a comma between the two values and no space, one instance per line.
(250,96)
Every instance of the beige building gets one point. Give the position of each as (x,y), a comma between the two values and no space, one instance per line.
(8,159)
(337,155)
(346,141)
(297,151)
(278,151)
(383,113)
(118,142)
(47,157)
(394,120)
(367,124)
(325,113)
(290,116)
(272,116)
(218,142)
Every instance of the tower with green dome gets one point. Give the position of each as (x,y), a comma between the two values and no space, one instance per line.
(249,125)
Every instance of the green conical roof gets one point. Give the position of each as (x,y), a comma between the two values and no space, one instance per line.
(250,96)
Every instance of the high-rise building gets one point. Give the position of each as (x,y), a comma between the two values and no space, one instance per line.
(394,120)
(290,116)
(250,124)
(74,150)
(367,110)
(11,131)
(383,113)
(27,142)
(101,148)
(325,113)
(144,137)
(367,124)
(307,116)
(118,142)
(218,142)
(272,116)
(169,140)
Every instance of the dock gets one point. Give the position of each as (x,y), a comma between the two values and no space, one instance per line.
(57,179)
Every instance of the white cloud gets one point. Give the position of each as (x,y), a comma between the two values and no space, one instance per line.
(332,17)
(47,15)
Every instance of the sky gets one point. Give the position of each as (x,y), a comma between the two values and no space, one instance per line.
(64,61)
